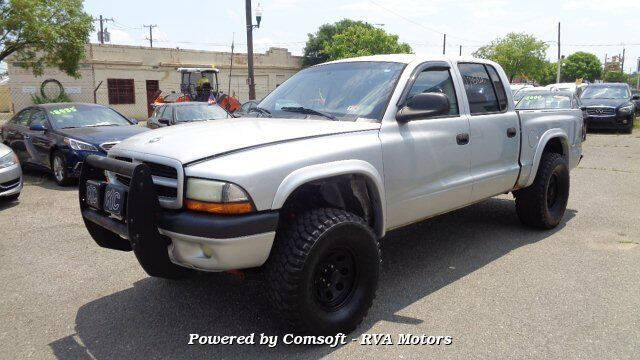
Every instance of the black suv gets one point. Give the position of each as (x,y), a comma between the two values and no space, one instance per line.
(609,106)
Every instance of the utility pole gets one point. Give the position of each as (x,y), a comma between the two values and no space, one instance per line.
(233,39)
(638,75)
(460,51)
(622,65)
(559,56)
(444,44)
(150,33)
(252,85)
(101,34)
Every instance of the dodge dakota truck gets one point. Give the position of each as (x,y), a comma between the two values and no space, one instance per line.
(339,154)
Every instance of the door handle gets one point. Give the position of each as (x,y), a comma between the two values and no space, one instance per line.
(462,138)
(511,132)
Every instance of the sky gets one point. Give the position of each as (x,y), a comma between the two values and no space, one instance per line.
(597,26)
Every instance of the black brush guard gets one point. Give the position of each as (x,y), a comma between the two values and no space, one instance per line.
(138,229)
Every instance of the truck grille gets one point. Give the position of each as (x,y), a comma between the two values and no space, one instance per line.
(601,111)
(166,179)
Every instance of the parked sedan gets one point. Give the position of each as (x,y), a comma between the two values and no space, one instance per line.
(181,112)
(10,174)
(58,137)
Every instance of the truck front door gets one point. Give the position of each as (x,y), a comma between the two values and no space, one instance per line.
(495,131)
(426,160)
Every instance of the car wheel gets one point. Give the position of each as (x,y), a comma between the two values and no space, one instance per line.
(59,169)
(322,274)
(542,205)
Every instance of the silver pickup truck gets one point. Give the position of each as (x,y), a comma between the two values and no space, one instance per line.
(331,160)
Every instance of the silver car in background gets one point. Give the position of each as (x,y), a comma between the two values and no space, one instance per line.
(10,174)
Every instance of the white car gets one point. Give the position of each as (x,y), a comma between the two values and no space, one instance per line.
(341,153)
(10,174)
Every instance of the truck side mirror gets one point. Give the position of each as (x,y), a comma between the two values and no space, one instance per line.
(423,105)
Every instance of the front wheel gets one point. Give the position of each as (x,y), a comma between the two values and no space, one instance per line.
(60,170)
(542,205)
(323,271)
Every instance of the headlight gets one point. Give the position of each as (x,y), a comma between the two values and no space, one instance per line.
(217,197)
(626,108)
(79,145)
(8,160)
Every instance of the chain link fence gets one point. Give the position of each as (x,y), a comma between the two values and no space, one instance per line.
(15,97)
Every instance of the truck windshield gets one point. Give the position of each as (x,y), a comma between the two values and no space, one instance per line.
(342,91)
(605,92)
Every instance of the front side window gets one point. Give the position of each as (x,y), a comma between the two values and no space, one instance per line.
(75,116)
(436,81)
(479,89)
(38,117)
(343,91)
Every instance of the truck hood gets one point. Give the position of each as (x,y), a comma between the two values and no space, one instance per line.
(604,102)
(194,141)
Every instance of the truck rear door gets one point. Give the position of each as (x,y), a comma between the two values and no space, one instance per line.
(494,130)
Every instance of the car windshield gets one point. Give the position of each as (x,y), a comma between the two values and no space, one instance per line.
(605,92)
(341,91)
(538,101)
(74,116)
(198,112)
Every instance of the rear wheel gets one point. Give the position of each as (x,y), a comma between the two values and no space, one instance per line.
(323,271)
(542,205)
(60,170)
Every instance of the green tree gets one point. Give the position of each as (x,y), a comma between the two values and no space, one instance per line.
(519,55)
(314,49)
(581,65)
(43,33)
(548,74)
(614,76)
(360,40)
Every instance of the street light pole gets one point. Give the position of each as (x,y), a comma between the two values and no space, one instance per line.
(559,57)
(250,80)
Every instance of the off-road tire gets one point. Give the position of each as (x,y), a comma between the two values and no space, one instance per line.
(65,179)
(307,245)
(539,205)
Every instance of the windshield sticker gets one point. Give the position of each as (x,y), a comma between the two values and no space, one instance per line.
(62,111)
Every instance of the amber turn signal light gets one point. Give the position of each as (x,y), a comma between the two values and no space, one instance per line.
(233,208)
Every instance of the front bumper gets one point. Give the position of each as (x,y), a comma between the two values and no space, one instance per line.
(611,122)
(10,180)
(193,240)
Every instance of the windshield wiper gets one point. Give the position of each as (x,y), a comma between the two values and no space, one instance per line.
(304,110)
(261,111)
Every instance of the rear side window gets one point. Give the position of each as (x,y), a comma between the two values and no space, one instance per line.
(22,118)
(436,81)
(497,85)
(479,89)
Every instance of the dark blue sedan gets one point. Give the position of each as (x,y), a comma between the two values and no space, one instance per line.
(58,137)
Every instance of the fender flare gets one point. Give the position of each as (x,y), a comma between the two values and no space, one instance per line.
(544,139)
(306,174)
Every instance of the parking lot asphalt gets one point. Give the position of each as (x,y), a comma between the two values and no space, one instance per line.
(498,289)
